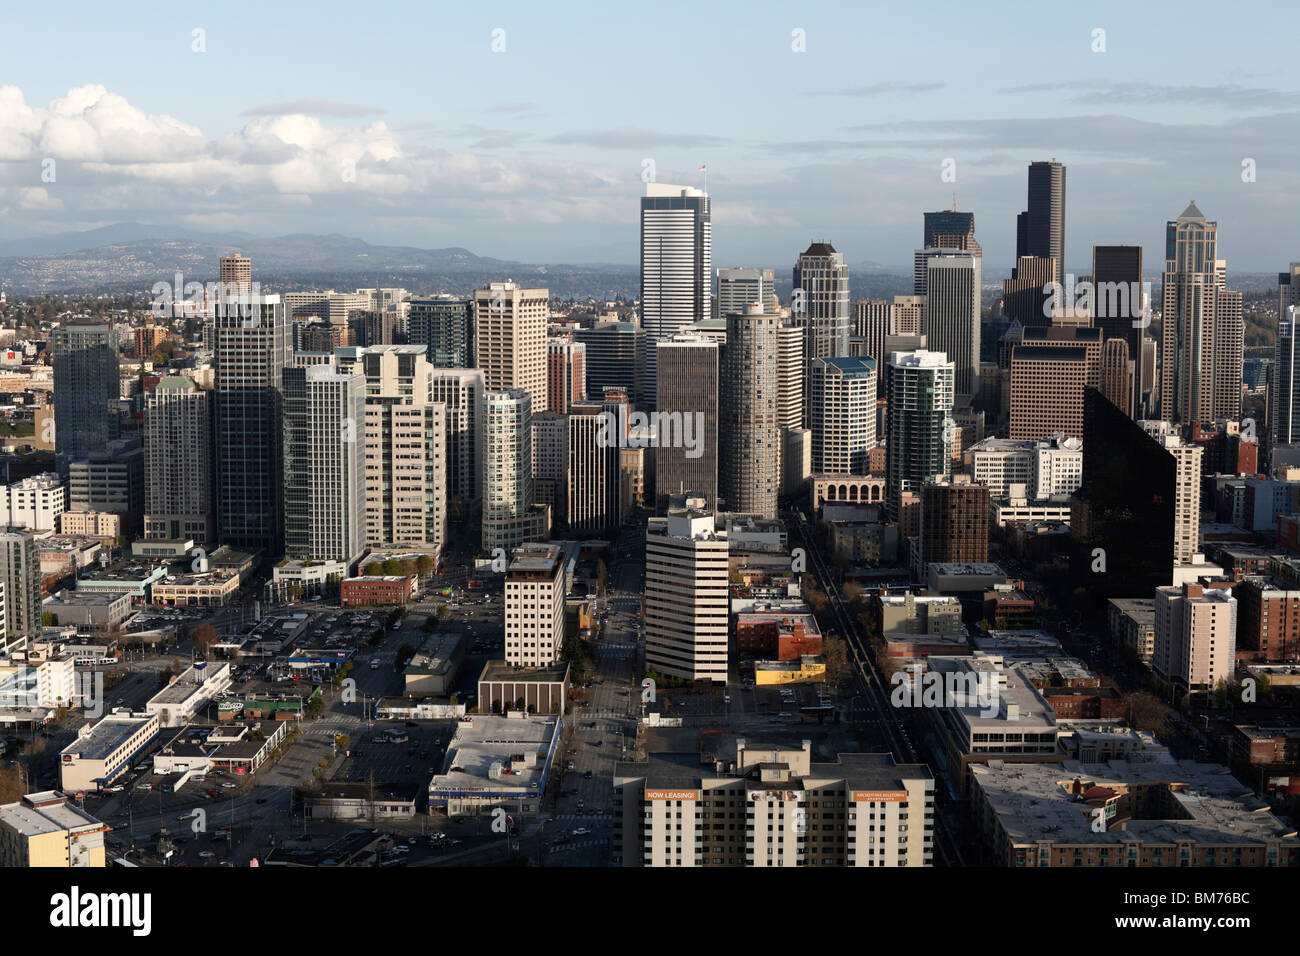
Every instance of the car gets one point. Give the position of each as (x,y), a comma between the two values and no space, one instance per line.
(184,816)
(207,854)
(411,841)
(581,831)
(229,786)
(261,800)
(587,775)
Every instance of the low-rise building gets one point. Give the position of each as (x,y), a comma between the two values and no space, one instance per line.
(88,611)
(188,695)
(45,829)
(497,762)
(103,751)
(432,671)
(378,589)
(537,690)
(200,589)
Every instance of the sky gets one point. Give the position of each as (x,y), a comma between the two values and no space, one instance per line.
(523,131)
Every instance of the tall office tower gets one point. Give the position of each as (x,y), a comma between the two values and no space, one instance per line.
(909,317)
(461,392)
(919,426)
(1040,229)
(952,314)
(509,518)
(1187,496)
(250,354)
(1117,373)
(688,385)
(534,606)
(550,438)
(842,415)
(750,466)
(593,493)
(790,375)
(1229,353)
(1119,304)
(324,464)
(686,584)
(820,301)
(1195,636)
(236,276)
(615,358)
(1122,515)
(873,319)
(180,475)
(1047,386)
(406,450)
(1288,288)
(445,324)
(950,229)
(373,327)
(738,288)
(86,389)
(566,373)
(1187,318)
(20,588)
(510,339)
(676,266)
(1284,388)
(1024,294)
(954,521)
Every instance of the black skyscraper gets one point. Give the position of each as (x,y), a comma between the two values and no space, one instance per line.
(1040,230)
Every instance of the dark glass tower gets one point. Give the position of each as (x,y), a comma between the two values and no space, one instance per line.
(446,326)
(86,389)
(1040,230)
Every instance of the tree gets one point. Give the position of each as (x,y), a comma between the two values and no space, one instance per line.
(205,636)
(1145,711)
(11,784)
(392,566)
(424,564)
(374,569)
(835,654)
(442,612)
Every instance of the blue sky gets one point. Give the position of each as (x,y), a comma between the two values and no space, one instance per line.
(536,153)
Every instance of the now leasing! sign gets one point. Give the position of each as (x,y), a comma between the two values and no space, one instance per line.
(672,795)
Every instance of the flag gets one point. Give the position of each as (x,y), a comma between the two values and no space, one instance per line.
(702,168)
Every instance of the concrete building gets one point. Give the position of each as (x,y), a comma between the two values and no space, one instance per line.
(510,339)
(842,414)
(1047,386)
(1125,814)
(768,804)
(738,288)
(952,313)
(179,467)
(534,606)
(324,464)
(34,503)
(566,373)
(536,690)
(593,506)
(750,465)
(111,480)
(1187,319)
(820,301)
(497,762)
(1268,619)
(954,521)
(20,587)
(46,830)
(919,426)
(103,751)
(686,585)
(188,695)
(460,391)
(1195,636)
(509,515)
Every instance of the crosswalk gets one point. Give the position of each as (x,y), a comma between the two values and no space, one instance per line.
(582,818)
(577,844)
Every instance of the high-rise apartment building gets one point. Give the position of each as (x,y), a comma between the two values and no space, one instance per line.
(509,516)
(510,339)
(842,415)
(20,589)
(445,325)
(790,375)
(686,588)
(919,424)
(954,521)
(461,392)
(688,386)
(179,469)
(750,466)
(324,464)
(250,355)
(676,266)
(1196,636)
(86,389)
(820,301)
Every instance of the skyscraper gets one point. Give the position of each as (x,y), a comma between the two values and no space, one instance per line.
(676,266)
(566,373)
(950,229)
(616,357)
(1284,388)
(180,474)
(406,450)
(1229,354)
(510,339)
(509,518)
(1040,229)
(445,325)
(790,376)
(461,392)
(324,464)
(593,472)
(1119,304)
(954,521)
(86,389)
(20,575)
(688,385)
(842,417)
(952,314)
(236,276)
(1187,318)
(750,465)
(820,301)
(919,423)
(250,354)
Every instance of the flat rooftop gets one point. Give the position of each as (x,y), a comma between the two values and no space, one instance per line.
(484,741)
(500,670)
(1033,802)
(42,817)
(105,737)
